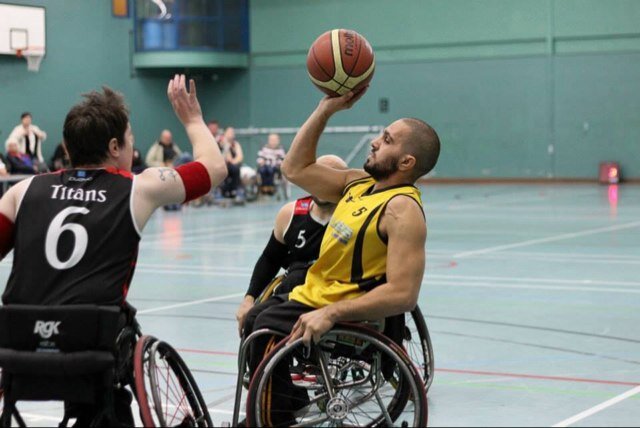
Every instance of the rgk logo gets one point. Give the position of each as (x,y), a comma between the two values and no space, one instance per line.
(46,329)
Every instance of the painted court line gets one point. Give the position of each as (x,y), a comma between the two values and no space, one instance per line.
(538,377)
(461,371)
(548,239)
(600,407)
(532,279)
(191,303)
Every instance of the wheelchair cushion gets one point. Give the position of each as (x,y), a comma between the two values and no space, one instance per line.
(55,364)
(68,328)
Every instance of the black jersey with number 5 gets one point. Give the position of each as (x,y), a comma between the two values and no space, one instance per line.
(303,235)
(75,241)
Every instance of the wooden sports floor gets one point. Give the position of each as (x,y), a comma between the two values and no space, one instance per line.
(532,297)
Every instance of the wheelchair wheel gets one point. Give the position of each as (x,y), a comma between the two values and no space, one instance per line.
(353,377)
(165,389)
(268,291)
(417,343)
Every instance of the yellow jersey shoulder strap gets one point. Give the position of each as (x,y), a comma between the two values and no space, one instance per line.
(352,184)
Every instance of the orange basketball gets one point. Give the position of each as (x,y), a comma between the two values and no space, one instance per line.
(340,61)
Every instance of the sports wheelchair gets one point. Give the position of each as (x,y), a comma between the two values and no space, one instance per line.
(354,376)
(85,355)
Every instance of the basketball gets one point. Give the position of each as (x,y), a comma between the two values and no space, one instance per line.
(340,61)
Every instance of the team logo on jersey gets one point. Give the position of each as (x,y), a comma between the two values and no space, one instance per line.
(302,207)
(46,329)
(341,231)
(80,176)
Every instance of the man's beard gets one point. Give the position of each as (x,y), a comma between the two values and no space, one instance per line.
(322,204)
(381,170)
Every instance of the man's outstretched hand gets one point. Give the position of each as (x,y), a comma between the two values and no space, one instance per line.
(184,103)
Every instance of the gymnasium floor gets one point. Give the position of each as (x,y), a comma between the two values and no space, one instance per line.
(531,293)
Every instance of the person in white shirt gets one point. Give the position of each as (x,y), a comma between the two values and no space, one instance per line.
(30,137)
(269,159)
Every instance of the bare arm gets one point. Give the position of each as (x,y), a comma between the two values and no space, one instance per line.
(161,186)
(8,203)
(404,224)
(9,209)
(300,167)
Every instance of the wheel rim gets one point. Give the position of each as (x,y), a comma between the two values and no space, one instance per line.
(371,403)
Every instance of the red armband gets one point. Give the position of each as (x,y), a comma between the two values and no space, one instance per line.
(196,180)
(6,235)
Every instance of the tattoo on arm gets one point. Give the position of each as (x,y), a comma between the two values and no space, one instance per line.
(166,173)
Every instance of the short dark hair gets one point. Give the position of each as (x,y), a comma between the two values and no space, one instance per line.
(423,143)
(25,114)
(91,124)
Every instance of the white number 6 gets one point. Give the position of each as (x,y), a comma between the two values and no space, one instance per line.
(56,228)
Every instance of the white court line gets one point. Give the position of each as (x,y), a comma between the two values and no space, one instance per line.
(196,267)
(196,238)
(426,282)
(600,407)
(525,279)
(576,255)
(548,239)
(606,290)
(194,272)
(191,303)
(199,231)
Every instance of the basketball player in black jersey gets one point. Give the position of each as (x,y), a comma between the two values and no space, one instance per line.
(75,233)
(294,244)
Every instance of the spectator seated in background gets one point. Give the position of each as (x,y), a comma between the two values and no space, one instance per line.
(232,152)
(29,138)
(269,159)
(60,159)
(163,152)
(17,162)
(138,165)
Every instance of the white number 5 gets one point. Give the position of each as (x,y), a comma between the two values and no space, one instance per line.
(56,228)
(301,241)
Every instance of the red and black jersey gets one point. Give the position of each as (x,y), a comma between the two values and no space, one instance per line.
(75,239)
(303,236)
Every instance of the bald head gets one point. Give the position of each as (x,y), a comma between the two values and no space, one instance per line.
(12,145)
(332,161)
(423,144)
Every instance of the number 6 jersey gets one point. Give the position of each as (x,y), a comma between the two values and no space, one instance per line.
(75,239)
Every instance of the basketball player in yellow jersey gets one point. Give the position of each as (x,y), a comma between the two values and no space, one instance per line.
(372,256)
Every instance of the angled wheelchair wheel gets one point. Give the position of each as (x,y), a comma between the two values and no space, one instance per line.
(353,377)
(268,291)
(417,343)
(165,389)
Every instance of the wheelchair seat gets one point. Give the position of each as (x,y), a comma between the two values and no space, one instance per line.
(62,353)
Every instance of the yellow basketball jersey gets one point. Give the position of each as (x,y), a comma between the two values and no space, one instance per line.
(353,255)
